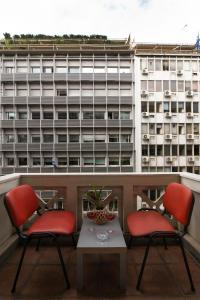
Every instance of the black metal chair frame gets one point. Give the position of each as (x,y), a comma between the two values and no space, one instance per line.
(177,236)
(25,240)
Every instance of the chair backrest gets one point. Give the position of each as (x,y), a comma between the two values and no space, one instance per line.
(21,202)
(178,201)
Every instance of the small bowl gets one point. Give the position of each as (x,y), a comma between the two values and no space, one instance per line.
(102,236)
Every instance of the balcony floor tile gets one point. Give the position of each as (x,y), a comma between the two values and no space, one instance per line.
(42,278)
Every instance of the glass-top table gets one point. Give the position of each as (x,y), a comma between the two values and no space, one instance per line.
(101,239)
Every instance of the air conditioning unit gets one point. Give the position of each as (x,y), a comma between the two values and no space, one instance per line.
(169,159)
(191,159)
(167,93)
(168,136)
(189,93)
(145,114)
(190,136)
(189,115)
(180,72)
(145,71)
(144,93)
(194,73)
(145,159)
(168,114)
(146,136)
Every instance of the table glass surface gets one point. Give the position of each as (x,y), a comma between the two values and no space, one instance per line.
(89,231)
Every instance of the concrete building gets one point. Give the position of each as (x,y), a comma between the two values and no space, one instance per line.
(113,107)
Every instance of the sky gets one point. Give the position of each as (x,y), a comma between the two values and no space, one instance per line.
(157,21)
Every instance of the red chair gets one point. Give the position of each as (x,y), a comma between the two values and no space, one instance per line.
(21,202)
(178,202)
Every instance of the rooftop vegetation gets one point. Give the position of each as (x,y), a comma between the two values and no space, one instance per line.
(57,39)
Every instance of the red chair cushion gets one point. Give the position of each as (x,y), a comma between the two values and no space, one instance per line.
(178,201)
(143,223)
(57,222)
(21,203)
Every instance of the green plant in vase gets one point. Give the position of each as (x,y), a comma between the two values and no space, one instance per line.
(99,214)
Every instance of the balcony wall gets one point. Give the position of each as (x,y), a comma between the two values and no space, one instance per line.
(126,187)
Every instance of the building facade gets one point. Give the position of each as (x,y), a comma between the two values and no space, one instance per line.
(68,108)
(99,108)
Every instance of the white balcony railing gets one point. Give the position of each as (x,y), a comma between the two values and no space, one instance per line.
(129,190)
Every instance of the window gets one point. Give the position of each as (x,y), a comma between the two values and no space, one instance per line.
(180,107)
(61,70)
(9,138)
(144,150)
(125,138)
(48,138)
(88,161)
(62,115)
(173,107)
(10,161)
(159,150)
(22,115)
(74,138)
(99,115)
(152,150)
(165,65)
(87,70)
(48,70)
(88,115)
(166,106)
(124,70)
(74,161)
(113,138)
(125,161)
(125,115)
(62,138)
(113,161)
(61,92)
(158,86)
(48,115)
(174,150)
(73,115)
(35,70)
(74,70)
(112,69)
(99,69)
(62,161)
(47,161)
(150,64)
(195,107)
(151,85)
(36,161)
(10,115)
(22,70)
(187,85)
(158,65)
(100,138)
(99,161)
(22,161)
(35,138)
(35,115)
(180,86)
(113,115)
(9,70)
(88,138)
(22,138)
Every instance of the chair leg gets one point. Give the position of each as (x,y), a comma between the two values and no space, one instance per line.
(186,265)
(143,264)
(62,263)
(73,241)
(37,245)
(19,266)
(130,242)
(165,243)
